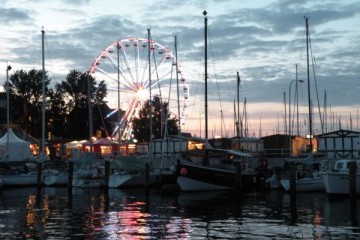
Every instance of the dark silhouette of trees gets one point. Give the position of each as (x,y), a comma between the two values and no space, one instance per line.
(141,125)
(67,112)
(74,91)
(26,99)
(67,115)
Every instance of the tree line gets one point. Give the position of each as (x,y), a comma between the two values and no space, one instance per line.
(67,112)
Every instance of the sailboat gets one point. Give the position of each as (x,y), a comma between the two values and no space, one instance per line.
(307,176)
(211,169)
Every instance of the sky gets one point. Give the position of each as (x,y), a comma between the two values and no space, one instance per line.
(264,41)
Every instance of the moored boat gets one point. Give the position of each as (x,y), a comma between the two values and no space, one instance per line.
(211,169)
(139,171)
(54,177)
(337,180)
(226,169)
(307,175)
(18,174)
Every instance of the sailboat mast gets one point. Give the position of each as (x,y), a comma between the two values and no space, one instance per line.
(206,77)
(118,90)
(43,95)
(149,58)
(235,122)
(177,83)
(90,112)
(206,158)
(239,133)
(297,100)
(308,80)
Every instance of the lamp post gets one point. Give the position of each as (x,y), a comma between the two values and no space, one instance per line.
(8,68)
(295,80)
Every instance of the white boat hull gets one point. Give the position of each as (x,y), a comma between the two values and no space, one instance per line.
(124,180)
(338,183)
(118,180)
(88,182)
(305,184)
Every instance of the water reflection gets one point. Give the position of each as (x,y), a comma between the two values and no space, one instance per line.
(54,213)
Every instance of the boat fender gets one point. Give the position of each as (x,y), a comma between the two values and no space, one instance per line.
(173,169)
(183,171)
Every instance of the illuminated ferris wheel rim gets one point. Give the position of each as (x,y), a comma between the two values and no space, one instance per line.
(125,43)
(123,46)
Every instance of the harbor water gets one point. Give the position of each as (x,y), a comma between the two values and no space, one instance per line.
(56,213)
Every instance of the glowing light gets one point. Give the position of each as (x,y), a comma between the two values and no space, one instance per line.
(142,94)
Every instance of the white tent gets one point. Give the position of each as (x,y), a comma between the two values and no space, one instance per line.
(15,148)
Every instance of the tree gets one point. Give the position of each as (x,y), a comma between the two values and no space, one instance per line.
(57,115)
(26,99)
(74,89)
(141,125)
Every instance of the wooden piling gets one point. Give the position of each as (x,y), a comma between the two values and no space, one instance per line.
(107,173)
(352,179)
(39,174)
(70,174)
(147,174)
(238,177)
(292,171)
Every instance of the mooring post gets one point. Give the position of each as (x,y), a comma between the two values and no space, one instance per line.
(238,177)
(70,175)
(352,180)
(39,174)
(147,174)
(107,173)
(292,170)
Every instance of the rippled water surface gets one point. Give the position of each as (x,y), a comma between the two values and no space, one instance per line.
(56,213)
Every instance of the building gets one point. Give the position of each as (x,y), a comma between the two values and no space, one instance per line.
(339,144)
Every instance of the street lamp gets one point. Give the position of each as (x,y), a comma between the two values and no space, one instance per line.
(295,80)
(8,68)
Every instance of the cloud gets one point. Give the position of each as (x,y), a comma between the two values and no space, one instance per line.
(262,42)
(10,16)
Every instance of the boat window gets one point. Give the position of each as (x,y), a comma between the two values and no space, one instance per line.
(339,165)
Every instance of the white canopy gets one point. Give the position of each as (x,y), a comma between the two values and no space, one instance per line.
(15,148)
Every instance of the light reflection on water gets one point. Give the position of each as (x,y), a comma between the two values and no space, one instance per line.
(54,213)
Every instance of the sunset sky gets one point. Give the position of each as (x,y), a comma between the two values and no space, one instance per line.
(262,40)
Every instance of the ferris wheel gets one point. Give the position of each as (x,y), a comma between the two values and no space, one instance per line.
(124,66)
